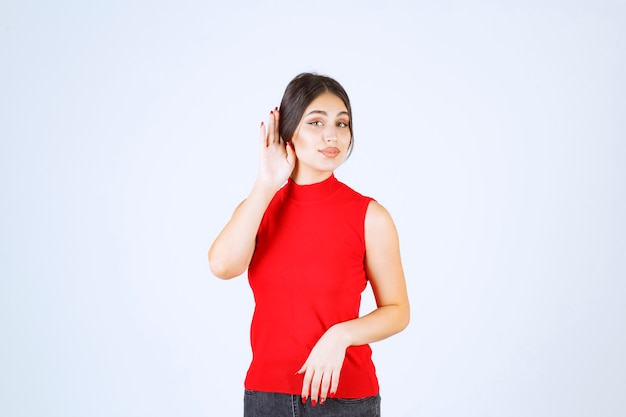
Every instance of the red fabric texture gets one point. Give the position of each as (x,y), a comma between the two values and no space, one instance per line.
(307,274)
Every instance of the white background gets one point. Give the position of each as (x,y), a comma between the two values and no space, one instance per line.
(494,133)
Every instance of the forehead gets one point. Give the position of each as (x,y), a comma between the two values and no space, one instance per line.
(327,102)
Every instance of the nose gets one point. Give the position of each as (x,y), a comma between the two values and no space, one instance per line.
(330,134)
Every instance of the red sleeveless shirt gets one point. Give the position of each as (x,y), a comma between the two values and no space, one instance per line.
(307,274)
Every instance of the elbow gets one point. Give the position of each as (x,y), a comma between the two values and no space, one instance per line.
(222,270)
(404,318)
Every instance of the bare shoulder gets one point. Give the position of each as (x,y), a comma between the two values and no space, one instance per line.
(377,217)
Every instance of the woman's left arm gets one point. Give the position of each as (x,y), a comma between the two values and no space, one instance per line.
(384,270)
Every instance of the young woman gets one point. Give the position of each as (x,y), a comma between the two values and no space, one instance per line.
(311,244)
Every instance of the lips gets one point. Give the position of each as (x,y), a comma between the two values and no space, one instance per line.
(330,152)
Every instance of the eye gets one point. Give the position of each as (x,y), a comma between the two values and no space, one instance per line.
(317,123)
(342,124)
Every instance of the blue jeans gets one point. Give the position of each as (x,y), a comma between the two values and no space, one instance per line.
(269,404)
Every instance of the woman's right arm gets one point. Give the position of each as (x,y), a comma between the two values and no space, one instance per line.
(231,252)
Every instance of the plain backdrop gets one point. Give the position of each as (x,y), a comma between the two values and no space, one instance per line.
(493,131)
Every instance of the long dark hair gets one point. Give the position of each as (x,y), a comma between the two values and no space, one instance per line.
(300,92)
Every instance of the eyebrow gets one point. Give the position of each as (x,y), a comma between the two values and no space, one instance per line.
(341,113)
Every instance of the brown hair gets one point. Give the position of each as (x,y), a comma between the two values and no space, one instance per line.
(300,92)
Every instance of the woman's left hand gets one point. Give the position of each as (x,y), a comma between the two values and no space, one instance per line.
(323,366)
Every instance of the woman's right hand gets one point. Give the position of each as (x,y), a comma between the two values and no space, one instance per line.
(277,158)
(230,254)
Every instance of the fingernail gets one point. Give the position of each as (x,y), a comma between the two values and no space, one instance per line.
(272,112)
(275,108)
(322,400)
(261,124)
(313,403)
(303,400)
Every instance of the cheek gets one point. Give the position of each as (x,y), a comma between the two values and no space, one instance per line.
(346,137)
(302,141)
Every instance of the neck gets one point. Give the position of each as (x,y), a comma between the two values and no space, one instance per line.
(307,177)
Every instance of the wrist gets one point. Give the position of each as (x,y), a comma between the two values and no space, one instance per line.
(265,188)
(341,333)
(268,185)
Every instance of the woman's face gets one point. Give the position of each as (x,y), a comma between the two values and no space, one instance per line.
(321,140)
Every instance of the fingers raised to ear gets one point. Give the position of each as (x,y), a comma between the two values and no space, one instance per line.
(291,153)
(277,126)
(274,136)
(263,135)
(270,133)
